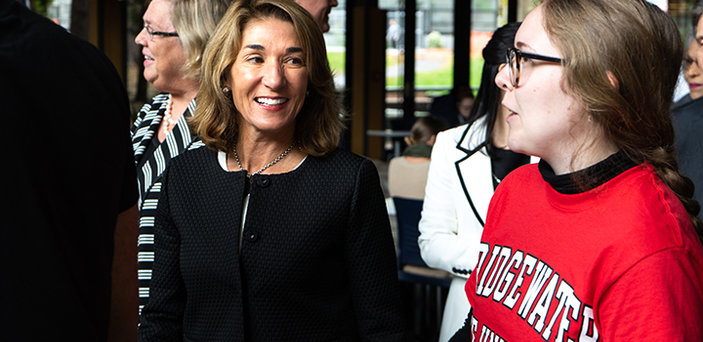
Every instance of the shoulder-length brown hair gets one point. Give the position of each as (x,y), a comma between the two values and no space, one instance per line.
(318,125)
(621,60)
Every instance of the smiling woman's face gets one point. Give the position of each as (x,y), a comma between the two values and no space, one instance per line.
(269,77)
(163,56)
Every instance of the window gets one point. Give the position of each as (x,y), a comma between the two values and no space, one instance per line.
(335,40)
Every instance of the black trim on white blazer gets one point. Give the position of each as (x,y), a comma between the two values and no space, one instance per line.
(469,153)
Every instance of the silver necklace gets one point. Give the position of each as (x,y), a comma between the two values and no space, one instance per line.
(249,175)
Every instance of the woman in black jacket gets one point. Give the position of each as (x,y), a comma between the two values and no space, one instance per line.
(270,232)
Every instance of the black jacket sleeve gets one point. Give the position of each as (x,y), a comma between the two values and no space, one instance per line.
(371,261)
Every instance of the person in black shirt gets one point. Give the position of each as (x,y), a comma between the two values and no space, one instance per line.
(69,234)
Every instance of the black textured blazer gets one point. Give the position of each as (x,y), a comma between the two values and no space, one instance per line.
(316,262)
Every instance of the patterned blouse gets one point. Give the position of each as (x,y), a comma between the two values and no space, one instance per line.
(152,158)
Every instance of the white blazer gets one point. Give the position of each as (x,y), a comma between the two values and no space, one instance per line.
(458,191)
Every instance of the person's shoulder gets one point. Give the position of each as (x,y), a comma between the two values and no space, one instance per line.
(650,213)
(687,107)
(682,102)
(523,176)
(451,135)
(528,171)
(469,135)
(156,102)
(455,131)
(340,156)
(643,179)
(409,163)
(197,154)
(342,163)
(33,31)
(36,47)
(29,41)
(56,42)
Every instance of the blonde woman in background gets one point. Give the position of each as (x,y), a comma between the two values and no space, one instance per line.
(173,38)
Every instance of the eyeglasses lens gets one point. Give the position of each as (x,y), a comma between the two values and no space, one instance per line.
(513,67)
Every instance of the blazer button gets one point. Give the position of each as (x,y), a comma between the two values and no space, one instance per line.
(263,182)
(251,236)
(461,271)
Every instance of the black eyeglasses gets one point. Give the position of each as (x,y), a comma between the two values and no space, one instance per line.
(514,58)
(153,33)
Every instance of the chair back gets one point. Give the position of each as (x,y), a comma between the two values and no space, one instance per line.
(430,285)
(408,212)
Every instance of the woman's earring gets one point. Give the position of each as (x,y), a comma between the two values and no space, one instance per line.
(225,90)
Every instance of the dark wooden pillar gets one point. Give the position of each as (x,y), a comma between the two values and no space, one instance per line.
(368,65)
(462,42)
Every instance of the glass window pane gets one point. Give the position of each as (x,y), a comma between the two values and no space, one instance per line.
(390,4)
(59,11)
(486,17)
(395,57)
(680,10)
(335,40)
(434,52)
(395,49)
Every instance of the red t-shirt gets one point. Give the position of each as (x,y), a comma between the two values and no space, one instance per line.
(621,262)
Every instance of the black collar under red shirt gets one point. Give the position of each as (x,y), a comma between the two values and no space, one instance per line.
(588,178)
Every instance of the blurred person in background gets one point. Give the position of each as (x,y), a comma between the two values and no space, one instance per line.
(687,114)
(407,174)
(696,15)
(320,11)
(455,107)
(692,72)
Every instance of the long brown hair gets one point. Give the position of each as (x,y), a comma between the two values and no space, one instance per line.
(318,125)
(621,59)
